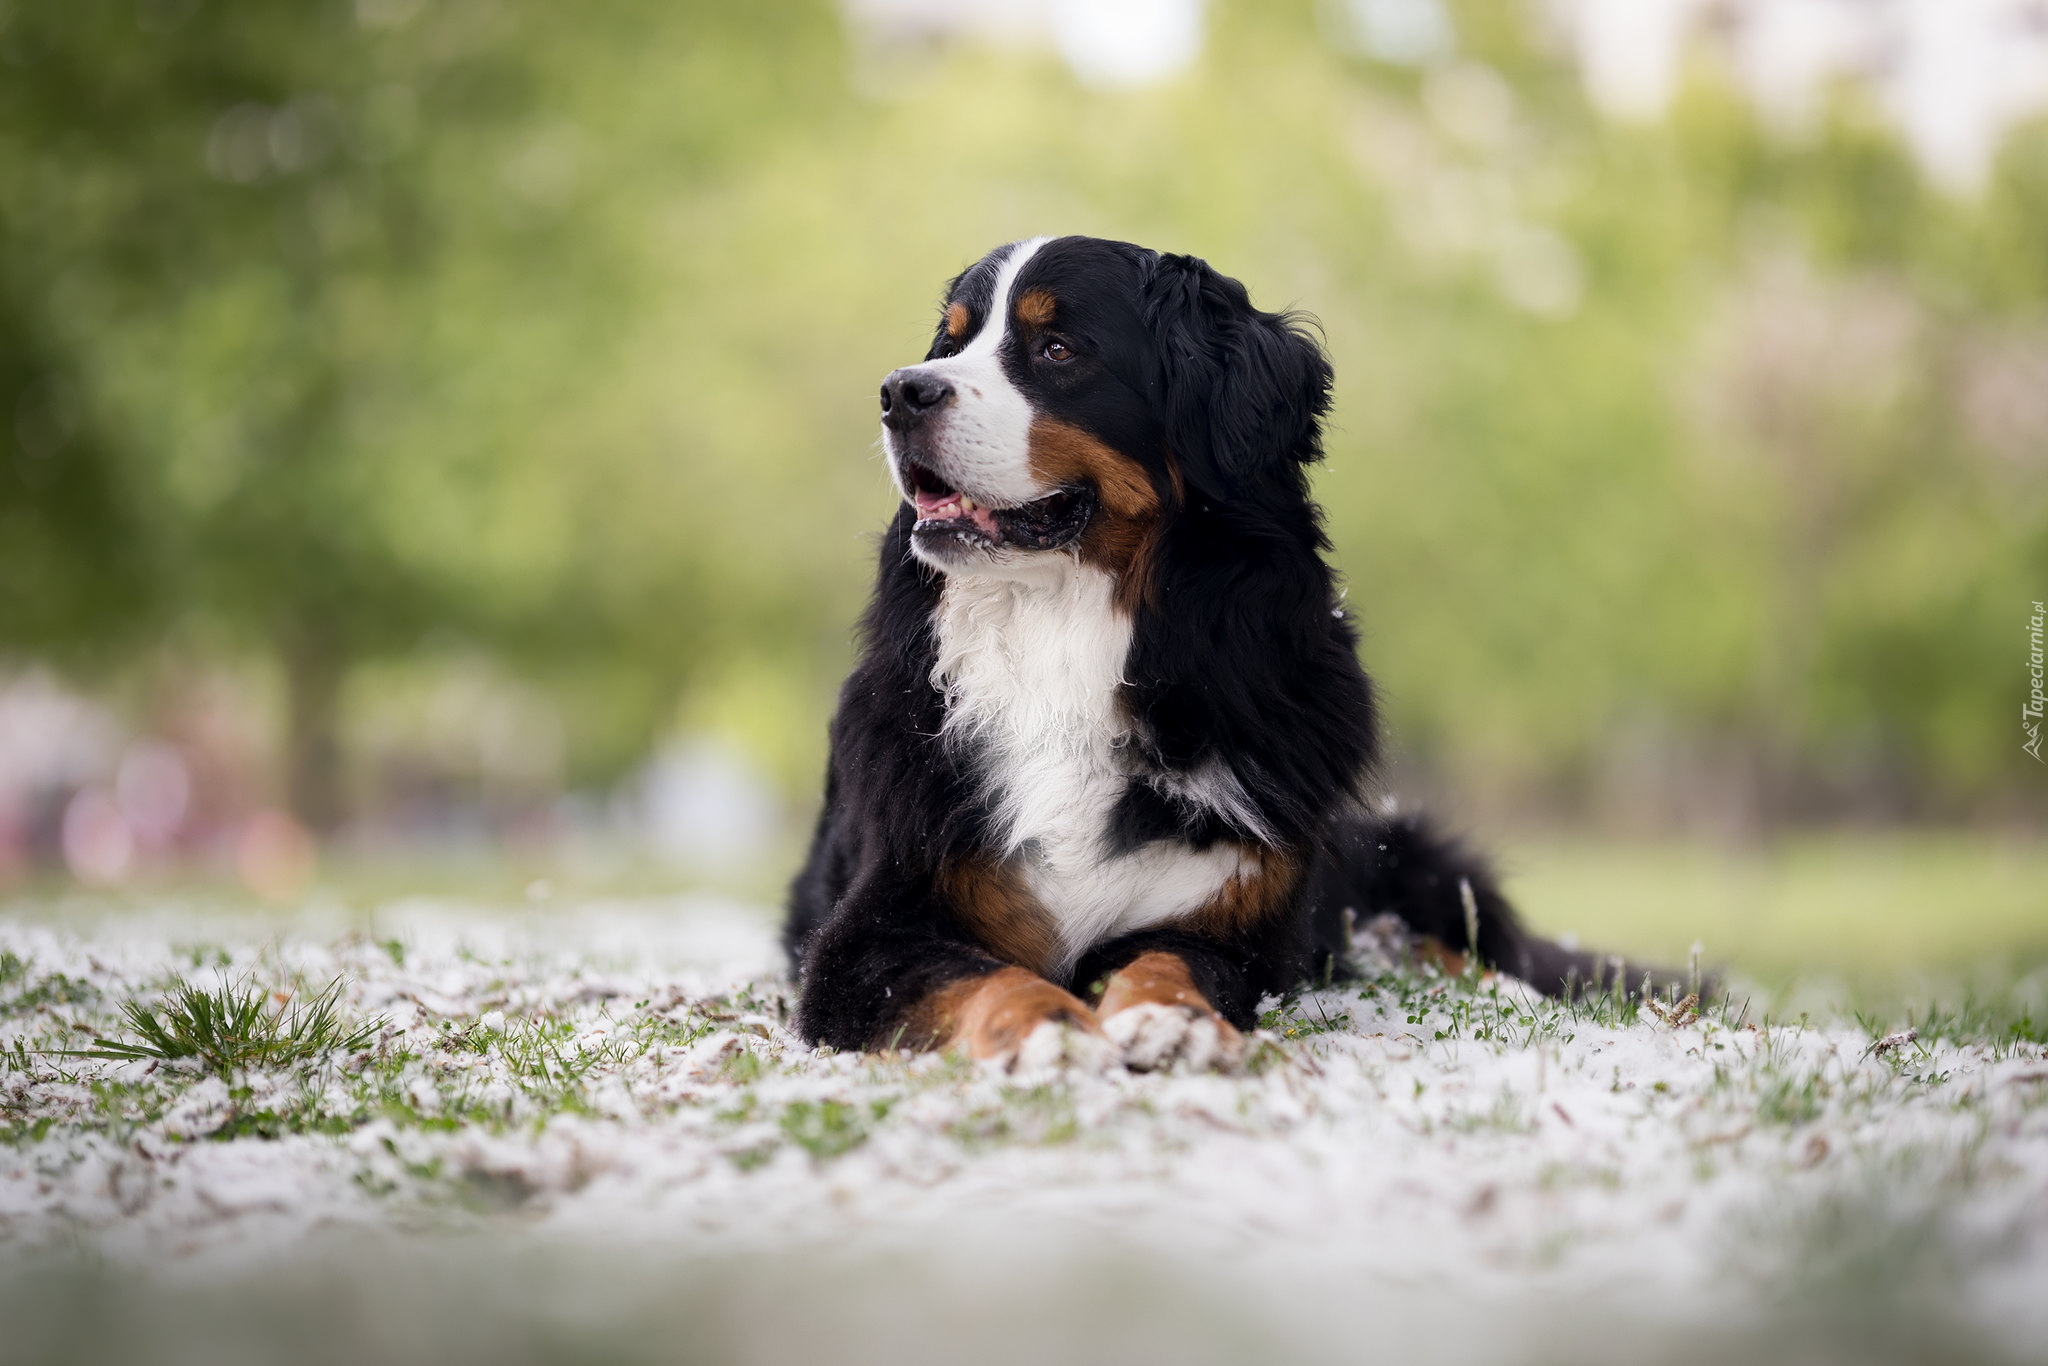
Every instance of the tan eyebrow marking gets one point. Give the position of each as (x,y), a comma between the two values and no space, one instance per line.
(956,320)
(1036,307)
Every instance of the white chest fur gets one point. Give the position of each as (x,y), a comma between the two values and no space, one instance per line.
(1030,668)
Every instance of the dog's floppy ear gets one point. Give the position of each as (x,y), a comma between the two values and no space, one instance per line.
(1241,392)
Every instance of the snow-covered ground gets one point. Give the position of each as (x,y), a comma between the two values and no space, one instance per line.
(589,1133)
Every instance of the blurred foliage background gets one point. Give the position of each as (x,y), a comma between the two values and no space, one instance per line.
(450,423)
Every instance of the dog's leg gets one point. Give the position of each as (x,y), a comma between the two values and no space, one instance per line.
(1185,990)
(1152,1009)
(891,967)
(1011,1016)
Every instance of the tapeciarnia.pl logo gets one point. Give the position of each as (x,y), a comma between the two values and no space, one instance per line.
(2030,713)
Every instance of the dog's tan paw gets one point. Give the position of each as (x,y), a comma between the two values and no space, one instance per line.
(1152,1010)
(1013,1018)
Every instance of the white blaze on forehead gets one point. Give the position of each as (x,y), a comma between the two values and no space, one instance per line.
(990,339)
(982,442)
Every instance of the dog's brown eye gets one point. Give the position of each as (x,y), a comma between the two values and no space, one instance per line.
(1055,350)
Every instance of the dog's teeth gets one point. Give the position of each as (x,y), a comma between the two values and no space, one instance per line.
(966,503)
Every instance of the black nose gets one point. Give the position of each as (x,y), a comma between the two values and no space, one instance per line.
(907,395)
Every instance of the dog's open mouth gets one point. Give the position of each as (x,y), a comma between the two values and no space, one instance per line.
(1042,524)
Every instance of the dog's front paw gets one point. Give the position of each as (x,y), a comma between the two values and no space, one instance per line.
(1152,1010)
(1154,1035)
(1016,1019)
(1055,1045)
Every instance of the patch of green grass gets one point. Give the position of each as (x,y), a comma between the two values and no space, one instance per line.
(825,1129)
(1291,1020)
(1459,1009)
(235,1026)
(1040,1116)
(546,1059)
(2001,1021)
(54,990)
(1789,1100)
(654,1033)
(15,1134)
(306,1116)
(749,1158)
(1505,1115)
(121,1106)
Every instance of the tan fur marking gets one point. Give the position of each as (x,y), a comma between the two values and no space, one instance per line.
(993,904)
(1127,515)
(1156,978)
(1036,307)
(990,1017)
(1137,584)
(1161,979)
(956,320)
(1256,891)
(1443,957)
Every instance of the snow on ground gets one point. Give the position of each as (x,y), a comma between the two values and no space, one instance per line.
(580,1123)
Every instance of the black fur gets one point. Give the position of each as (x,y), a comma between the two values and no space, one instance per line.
(1240,655)
(1404,866)
(865,926)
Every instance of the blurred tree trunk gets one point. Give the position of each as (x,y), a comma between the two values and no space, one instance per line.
(314,666)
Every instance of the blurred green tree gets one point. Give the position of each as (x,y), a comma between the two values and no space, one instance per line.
(293,298)
(1683,454)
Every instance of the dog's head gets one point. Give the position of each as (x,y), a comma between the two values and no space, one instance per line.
(1078,390)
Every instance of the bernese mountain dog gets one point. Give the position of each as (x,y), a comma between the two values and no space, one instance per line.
(1098,781)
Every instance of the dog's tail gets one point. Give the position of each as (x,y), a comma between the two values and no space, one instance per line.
(1401,864)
